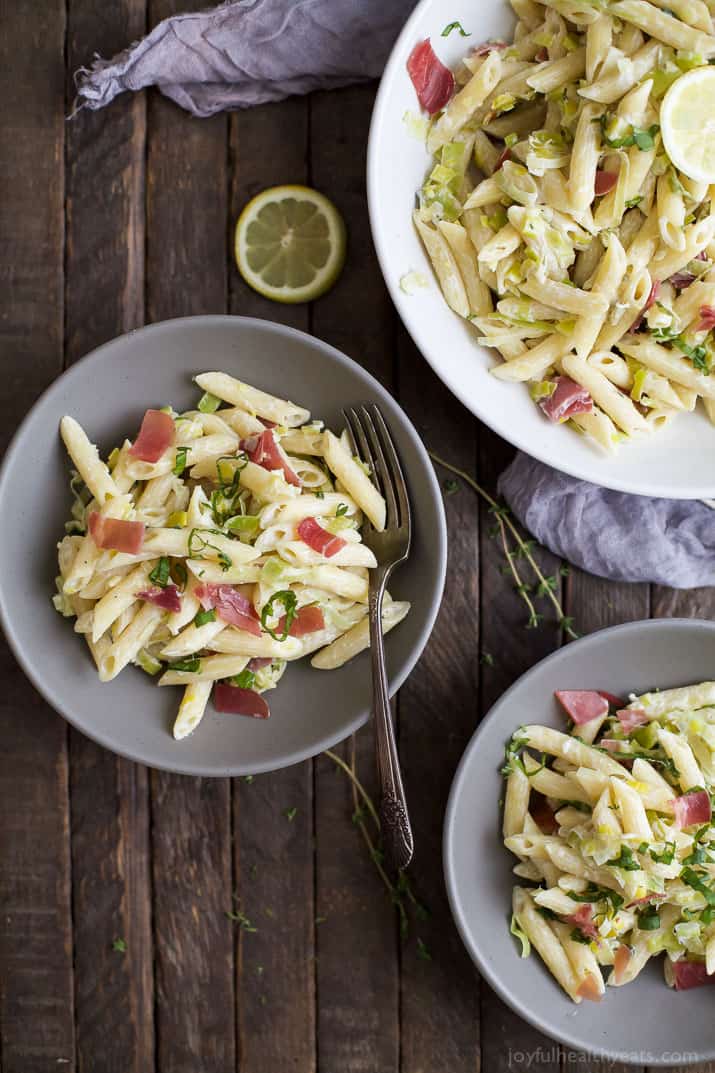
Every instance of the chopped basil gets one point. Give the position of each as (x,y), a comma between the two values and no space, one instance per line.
(320,495)
(208,403)
(579,937)
(180,463)
(634,201)
(180,574)
(512,752)
(189,666)
(625,860)
(341,510)
(694,880)
(649,920)
(245,680)
(289,600)
(202,617)
(160,573)
(450,486)
(594,893)
(454,26)
(198,544)
(643,139)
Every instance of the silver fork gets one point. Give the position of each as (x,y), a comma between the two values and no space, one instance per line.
(374,446)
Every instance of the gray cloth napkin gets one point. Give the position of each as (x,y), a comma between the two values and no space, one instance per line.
(248,52)
(617,536)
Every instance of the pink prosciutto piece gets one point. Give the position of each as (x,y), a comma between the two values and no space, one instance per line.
(605,181)
(650,301)
(621,961)
(682,279)
(652,897)
(589,989)
(583,920)
(707,319)
(230,605)
(688,974)
(236,701)
(258,663)
(568,399)
(613,700)
(115,534)
(693,807)
(308,620)
(265,452)
(488,46)
(582,705)
(156,434)
(542,815)
(433,82)
(612,745)
(630,718)
(168,598)
(319,539)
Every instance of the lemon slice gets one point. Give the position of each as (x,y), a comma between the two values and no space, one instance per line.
(687,121)
(290,243)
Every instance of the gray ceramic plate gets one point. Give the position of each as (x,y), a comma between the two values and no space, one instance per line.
(644,1022)
(108,392)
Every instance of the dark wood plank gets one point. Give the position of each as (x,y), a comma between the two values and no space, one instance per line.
(508,649)
(187,206)
(438,713)
(358,1026)
(109,796)
(36,989)
(274,855)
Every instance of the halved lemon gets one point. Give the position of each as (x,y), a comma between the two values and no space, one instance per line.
(687,122)
(290,243)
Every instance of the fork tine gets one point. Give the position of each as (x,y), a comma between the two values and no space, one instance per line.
(359,439)
(393,462)
(381,468)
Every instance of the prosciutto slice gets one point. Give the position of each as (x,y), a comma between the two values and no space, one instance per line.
(620,963)
(630,718)
(582,705)
(115,534)
(265,452)
(156,434)
(168,598)
(319,539)
(308,620)
(230,605)
(568,399)
(688,974)
(433,82)
(583,920)
(693,807)
(707,319)
(605,181)
(589,989)
(236,701)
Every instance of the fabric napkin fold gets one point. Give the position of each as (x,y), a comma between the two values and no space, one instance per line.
(246,52)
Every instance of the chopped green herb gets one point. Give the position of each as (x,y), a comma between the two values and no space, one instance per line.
(208,403)
(320,495)
(625,860)
(486,658)
(289,600)
(161,572)
(240,918)
(634,201)
(120,946)
(245,680)
(454,26)
(694,880)
(342,509)
(179,574)
(579,937)
(202,617)
(198,544)
(188,666)
(248,778)
(290,813)
(649,920)
(180,462)
(450,486)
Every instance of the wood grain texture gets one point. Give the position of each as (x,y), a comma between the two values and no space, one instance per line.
(274,855)
(438,708)
(109,796)
(358,1029)
(508,648)
(36,990)
(187,208)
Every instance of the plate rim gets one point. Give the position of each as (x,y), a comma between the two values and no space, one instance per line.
(440,542)
(595,1048)
(609,479)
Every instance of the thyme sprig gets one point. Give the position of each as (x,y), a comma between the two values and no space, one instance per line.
(507,530)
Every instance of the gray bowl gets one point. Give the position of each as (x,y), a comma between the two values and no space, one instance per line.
(108,392)
(644,1022)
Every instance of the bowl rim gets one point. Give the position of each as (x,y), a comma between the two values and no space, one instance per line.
(439,541)
(449,854)
(607,478)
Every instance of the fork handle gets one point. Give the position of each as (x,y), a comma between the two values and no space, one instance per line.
(394,819)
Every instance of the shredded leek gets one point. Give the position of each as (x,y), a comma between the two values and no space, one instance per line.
(147,662)
(516,930)
(208,403)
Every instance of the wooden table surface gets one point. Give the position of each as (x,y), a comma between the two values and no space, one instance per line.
(125,217)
